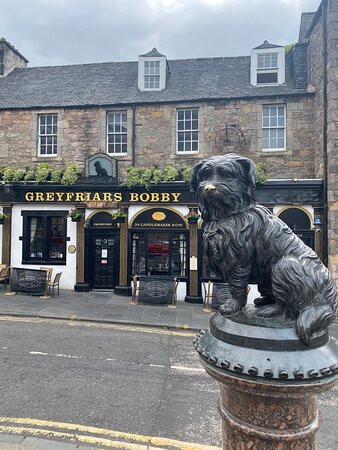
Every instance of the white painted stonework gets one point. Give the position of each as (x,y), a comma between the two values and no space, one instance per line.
(68,277)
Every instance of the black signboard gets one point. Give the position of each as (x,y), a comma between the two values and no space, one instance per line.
(29,281)
(220,294)
(159,218)
(156,290)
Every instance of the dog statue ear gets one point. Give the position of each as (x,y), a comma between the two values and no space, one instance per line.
(249,169)
(194,175)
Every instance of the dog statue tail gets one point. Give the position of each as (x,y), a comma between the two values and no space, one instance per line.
(315,302)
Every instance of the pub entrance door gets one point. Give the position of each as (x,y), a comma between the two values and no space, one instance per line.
(102,257)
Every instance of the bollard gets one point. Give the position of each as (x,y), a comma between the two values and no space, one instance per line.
(269,380)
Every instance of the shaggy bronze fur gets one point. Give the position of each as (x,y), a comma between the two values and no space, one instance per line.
(244,241)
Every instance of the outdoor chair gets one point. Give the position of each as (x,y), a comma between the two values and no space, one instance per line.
(4,274)
(55,282)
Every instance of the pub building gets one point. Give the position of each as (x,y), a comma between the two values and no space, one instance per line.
(152,236)
(277,106)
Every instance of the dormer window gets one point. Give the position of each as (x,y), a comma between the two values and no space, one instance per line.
(152,71)
(267,64)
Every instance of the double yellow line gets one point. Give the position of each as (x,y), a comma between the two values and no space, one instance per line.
(93,435)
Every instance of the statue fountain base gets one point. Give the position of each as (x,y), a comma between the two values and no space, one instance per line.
(269,380)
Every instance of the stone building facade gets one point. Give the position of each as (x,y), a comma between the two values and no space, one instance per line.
(277,107)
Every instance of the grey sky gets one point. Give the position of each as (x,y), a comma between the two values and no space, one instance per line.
(52,32)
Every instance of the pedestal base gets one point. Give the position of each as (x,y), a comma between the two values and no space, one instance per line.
(269,380)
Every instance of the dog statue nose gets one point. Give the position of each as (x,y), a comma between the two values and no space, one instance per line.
(210,187)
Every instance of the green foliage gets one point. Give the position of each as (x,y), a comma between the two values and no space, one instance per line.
(42,172)
(30,174)
(118,215)
(56,175)
(185,173)
(261,173)
(288,48)
(71,175)
(3,216)
(75,214)
(12,175)
(141,176)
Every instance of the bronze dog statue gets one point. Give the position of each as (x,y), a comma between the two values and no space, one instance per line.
(243,241)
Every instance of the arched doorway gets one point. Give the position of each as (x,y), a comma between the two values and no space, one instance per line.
(300,223)
(102,251)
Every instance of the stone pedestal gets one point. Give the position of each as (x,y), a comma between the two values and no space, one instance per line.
(269,380)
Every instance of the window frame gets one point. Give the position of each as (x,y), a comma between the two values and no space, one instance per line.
(52,135)
(46,219)
(154,75)
(186,130)
(276,127)
(114,133)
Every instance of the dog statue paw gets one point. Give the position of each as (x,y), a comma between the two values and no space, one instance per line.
(243,239)
(229,308)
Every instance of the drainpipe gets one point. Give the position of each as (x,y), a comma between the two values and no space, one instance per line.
(326,221)
(133,137)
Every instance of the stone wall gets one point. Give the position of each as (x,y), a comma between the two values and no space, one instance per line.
(82,133)
(12,59)
(332,134)
(316,83)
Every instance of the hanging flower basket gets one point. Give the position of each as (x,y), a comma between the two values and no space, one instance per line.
(119,217)
(75,215)
(192,216)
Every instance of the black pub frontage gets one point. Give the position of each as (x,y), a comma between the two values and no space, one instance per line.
(121,231)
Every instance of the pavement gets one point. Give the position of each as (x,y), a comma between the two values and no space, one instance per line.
(104,307)
(101,307)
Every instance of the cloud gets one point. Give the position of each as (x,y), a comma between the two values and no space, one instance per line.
(51,32)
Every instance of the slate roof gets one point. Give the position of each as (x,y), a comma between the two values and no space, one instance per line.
(267,44)
(153,53)
(115,83)
(305,23)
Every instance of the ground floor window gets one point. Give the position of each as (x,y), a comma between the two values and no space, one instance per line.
(156,253)
(44,236)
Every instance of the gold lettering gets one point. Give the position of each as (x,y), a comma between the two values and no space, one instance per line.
(144,197)
(29,197)
(107,197)
(154,197)
(49,196)
(96,197)
(87,197)
(79,197)
(69,196)
(39,197)
(165,197)
(60,196)
(133,197)
(117,197)
(176,196)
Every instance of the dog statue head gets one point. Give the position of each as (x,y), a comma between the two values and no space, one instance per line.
(224,185)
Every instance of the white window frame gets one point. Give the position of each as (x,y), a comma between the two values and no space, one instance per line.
(267,57)
(45,135)
(279,69)
(187,130)
(116,132)
(152,72)
(274,126)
